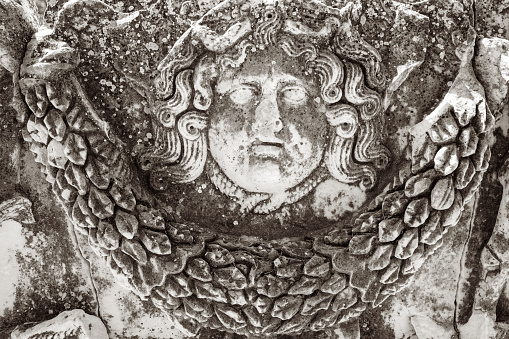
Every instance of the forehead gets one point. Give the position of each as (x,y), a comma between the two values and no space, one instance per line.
(266,63)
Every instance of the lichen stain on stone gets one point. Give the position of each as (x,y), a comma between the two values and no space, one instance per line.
(333,199)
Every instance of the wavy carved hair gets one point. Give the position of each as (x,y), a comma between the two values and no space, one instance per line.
(354,110)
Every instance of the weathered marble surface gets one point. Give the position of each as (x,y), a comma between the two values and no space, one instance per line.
(459,291)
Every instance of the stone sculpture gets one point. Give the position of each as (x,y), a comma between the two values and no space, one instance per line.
(261,104)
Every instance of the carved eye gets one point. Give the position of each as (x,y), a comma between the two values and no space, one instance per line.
(243,95)
(294,95)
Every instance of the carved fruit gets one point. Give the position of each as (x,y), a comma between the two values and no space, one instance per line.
(444,130)
(468,142)
(446,159)
(390,229)
(442,195)
(286,307)
(417,212)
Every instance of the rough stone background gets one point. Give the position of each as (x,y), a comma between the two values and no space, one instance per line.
(43,272)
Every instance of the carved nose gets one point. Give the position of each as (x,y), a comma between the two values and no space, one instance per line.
(267,118)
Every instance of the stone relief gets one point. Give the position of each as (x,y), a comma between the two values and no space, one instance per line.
(276,115)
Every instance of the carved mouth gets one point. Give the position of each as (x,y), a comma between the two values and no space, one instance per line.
(267,149)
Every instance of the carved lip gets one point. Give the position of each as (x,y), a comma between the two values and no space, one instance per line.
(267,149)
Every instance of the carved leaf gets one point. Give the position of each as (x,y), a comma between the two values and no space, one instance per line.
(453,214)
(447,159)
(423,153)
(99,179)
(178,233)
(107,236)
(305,286)
(286,307)
(324,319)
(42,101)
(367,222)
(237,297)
(319,301)
(442,195)
(55,125)
(407,244)
(391,273)
(56,156)
(37,130)
(78,217)
(465,110)
(76,178)
(60,95)
(381,258)
(218,256)
(390,229)
(404,174)
(124,261)
(339,237)
(230,317)
(294,325)
(464,173)
(63,189)
(230,278)
(298,249)
(335,284)
(288,267)
(178,286)
(126,223)
(345,299)
(394,203)
(420,183)
(101,146)
(417,212)
(199,269)
(198,309)
(271,286)
(468,142)
(432,230)
(134,249)
(124,198)
(253,316)
(262,304)
(90,218)
(481,158)
(361,244)
(100,204)
(148,276)
(77,121)
(317,267)
(155,242)
(444,130)
(209,291)
(469,191)
(150,217)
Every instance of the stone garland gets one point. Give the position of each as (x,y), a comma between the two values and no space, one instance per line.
(248,286)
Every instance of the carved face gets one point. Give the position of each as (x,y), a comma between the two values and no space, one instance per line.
(267,125)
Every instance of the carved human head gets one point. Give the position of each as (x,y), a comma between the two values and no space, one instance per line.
(269,101)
